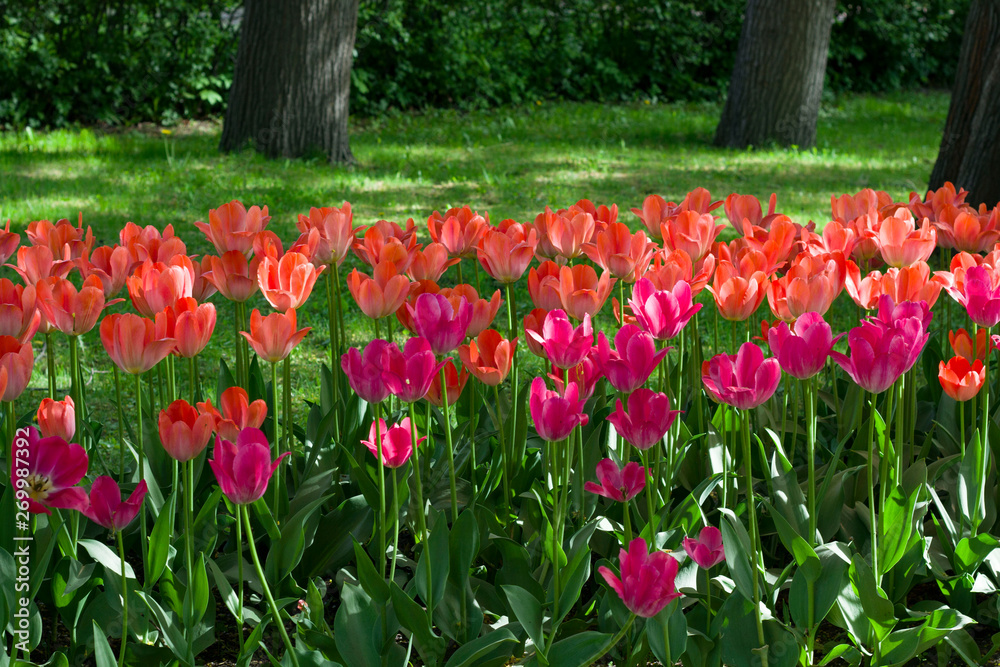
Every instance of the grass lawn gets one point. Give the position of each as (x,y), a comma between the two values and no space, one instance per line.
(511,162)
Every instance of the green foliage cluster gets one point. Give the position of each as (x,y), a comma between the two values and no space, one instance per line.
(92,61)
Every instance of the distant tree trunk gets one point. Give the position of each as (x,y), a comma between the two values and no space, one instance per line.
(971,143)
(292,82)
(777,80)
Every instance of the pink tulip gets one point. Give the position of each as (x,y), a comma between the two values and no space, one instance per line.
(19,361)
(660,312)
(880,354)
(584,375)
(408,373)
(980,296)
(707,550)
(555,415)
(243,469)
(435,319)
(802,349)
(618,484)
(184,431)
(107,507)
(397,442)
(54,469)
(365,371)
(743,380)
(633,360)
(57,418)
(891,314)
(564,345)
(648,419)
(647,580)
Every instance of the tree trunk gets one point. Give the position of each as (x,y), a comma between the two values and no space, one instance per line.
(292,82)
(777,80)
(971,141)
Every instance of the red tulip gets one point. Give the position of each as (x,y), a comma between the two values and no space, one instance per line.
(274,337)
(618,484)
(960,379)
(743,380)
(397,442)
(567,231)
(233,227)
(707,550)
(132,344)
(909,283)
(648,419)
(54,468)
(407,374)
(336,232)
(106,506)
(564,345)
(56,418)
(633,360)
(237,413)
(243,469)
(18,360)
(455,380)
(184,432)
(489,357)
(961,343)
(288,282)
(647,580)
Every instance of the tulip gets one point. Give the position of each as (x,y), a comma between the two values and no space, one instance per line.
(382,294)
(431,262)
(442,325)
(111,265)
(336,232)
(544,286)
(670,268)
(747,207)
(148,243)
(892,314)
(416,289)
(18,360)
(568,233)
(106,506)
(190,324)
(584,375)
(505,255)
(397,445)
(743,380)
(647,420)
(455,381)
(708,550)
(909,283)
(618,484)
(810,285)
(459,230)
(8,243)
(489,357)
(847,207)
(237,413)
(131,342)
(633,360)
(646,585)
(534,321)
(184,432)
(836,236)
(286,283)
(960,379)
(980,296)
(691,232)
(68,310)
(19,316)
(880,355)
(156,285)
(555,415)
(233,275)
(244,469)
(35,263)
(564,345)
(56,418)
(901,244)
(407,374)
(274,337)
(736,297)
(386,242)
(366,371)
(54,468)
(233,227)
(581,292)
(63,238)
(969,232)
(802,349)
(654,212)
(961,344)
(618,252)
(661,313)
(483,311)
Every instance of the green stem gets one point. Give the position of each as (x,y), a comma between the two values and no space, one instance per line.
(421,519)
(871,488)
(50,356)
(74,367)
(961,425)
(614,641)
(342,338)
(121,554)
(287,418)
(708,603)
(143,534)
(193,378)
(395,525)
(450,446)
(809,396)
(473,459)
(754,534)
(331,309)
(267,589)
(381,490)
(650,490)
(274,427)
(239,574)
(504,455)
(983,467)
(121,425)
(627,511)
(188,512)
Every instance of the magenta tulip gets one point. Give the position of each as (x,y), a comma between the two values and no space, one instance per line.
(743,380)
(880,354)
(707,550)
(633,360)
(107,507)
(802,350)
(51,472)
(663,313)
(648,419)
(365,371)
(397,445)
(408,374)
(647,580)
(980,298)
(564,345)
(890,314)
(243,469)
(435,319)
(555,415)
(618,484)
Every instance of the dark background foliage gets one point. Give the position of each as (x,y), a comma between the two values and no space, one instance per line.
(98,61)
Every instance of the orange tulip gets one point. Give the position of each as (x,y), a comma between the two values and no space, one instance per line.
(848,208)
(18,360)
(960,379)
(911,283)
(961,343)
(237,413)
(740,208)
(483,311)
(617,251)
(132,344)
(455,380)
(654,212)
(489,357)
(155,285)
(267,244)
(459,230)
(380,295)
(670,267)
(736,297)
(111,265)
(901,243)
(36,263)
(431,262)
(968,231)
(603,215)
(336,232)
(533,321)
(810,286)
(190,324)
(68,310)
(378,246)
(567,233)
(506,253)
(184,431)
(148,243)
(288,282)
(233,275)
(19,316)
(691,232)
(274,337)
(835,237)
(581,291)
(543,286)
(63,238)
(8,243)
(233,227)
(202,288)
(936,201)
(57,418)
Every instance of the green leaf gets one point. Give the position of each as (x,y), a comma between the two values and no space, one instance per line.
(736,542)
(573,576)
(528,612)
(159,544)
(826,587)
(102,650)
(804,555)
(286,552)
(579,649)
(473,653)
(877,607)
(375,586)
(229,597)
(437,552)
(357,628)
(971,552)
(263,514)
(106,557)
(896,526)
(339,528)
(413,617)
(657,628)
(845,652)
(200,591)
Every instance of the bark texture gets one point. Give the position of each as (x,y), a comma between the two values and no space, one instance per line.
(292,82)
(971,143)
(777,80)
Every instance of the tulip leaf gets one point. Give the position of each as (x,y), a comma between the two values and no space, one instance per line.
(494,645)
(970,480)
(159,545)
(737,546)
(896,524)
(285,553)
(804,555)
(573,576)
(826,587)
(877,607)
(415,618)
(971,552)
(351,520)
(374,585)
(437,551)
(516,569)
(200,590)
(102,554)
(580,649)
(229,597)
(528,612)
(669,620)
(845,652)
(103,656)
(357,628)
(263,514)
